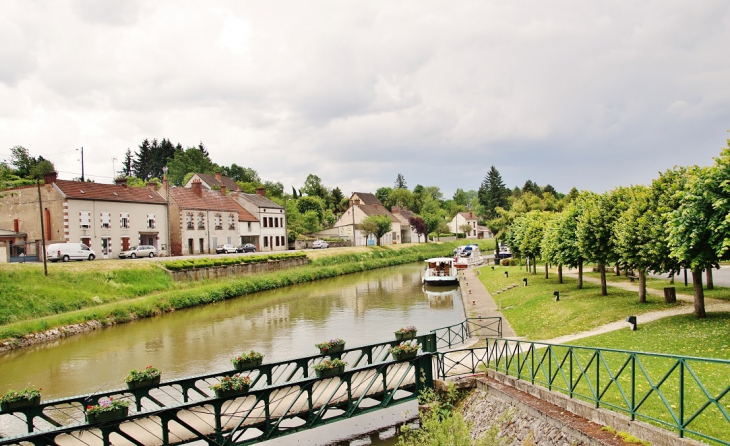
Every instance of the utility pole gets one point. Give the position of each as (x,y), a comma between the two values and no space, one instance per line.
(82,164)
(43,228)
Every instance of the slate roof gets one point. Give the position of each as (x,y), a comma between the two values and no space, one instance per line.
(367,198)
(79,190)
(468,215)
(259,201)
(211,180)
(378,210)
(212,200)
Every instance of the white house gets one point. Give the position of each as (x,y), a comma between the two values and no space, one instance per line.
(463,218)
(407,233)
(271,217)
(363,205)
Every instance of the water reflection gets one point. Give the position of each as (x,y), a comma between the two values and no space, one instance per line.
(285,323)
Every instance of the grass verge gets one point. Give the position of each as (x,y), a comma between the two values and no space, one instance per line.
(659,284)
(533,312)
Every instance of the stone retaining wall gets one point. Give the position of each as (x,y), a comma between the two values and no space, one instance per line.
(241,269)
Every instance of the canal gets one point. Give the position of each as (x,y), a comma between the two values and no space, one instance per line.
(285,323)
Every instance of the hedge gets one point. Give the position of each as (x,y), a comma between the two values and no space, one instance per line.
(180,265)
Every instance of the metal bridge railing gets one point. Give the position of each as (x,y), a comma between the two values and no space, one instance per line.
(687,394)
(67,414)
(447,337)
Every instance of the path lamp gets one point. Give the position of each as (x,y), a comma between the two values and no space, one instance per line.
(506,274)
(557,295)
(632,320)
(524,281)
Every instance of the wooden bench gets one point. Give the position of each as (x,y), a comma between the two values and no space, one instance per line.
(632,278)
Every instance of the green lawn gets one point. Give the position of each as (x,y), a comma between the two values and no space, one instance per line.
(533,313)
(659,284)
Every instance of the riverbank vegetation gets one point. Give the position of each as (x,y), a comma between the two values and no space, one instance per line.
(114,292)
(533,312)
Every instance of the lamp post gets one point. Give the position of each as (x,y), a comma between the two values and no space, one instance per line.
(166,183)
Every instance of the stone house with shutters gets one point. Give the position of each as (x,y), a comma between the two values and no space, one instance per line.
(201,219)
(106,217)
(271,218)
(363,205)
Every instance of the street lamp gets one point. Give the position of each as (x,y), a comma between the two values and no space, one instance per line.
(166,183)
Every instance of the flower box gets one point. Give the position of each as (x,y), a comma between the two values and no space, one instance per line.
(18,404)
(402,356)
(232,392)
(402,336)
(143,383)
(243,365)
(332,349)
(108,415)
(334,371)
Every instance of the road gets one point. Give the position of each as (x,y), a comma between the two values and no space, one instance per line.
(720,277)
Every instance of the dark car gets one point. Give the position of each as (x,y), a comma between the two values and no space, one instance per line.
(248,247)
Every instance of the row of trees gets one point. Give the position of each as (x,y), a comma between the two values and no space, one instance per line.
(24,169)
(681,221)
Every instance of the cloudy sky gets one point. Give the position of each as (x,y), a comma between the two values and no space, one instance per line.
(591,94)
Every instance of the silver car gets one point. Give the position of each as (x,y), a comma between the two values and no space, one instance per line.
(138,251)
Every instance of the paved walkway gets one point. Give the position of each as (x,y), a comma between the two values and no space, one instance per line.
(479,303)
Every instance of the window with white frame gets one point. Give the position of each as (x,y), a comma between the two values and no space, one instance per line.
(85,219)
(231,221)
(105,220)
(189,220)
(218,221)
(124,220)
(150,221)
(201,221)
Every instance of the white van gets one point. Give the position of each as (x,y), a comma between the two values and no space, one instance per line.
(69,251)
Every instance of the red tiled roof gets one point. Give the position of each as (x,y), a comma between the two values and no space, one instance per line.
(468,215)
(368,198)
(79,190)
(378,210)
(211,180)
(212,200)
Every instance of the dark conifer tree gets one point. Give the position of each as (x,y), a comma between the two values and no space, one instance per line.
(127,164)
(492,193)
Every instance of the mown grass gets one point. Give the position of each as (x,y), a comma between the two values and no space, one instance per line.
(533,312)
(121,291)
(659,284)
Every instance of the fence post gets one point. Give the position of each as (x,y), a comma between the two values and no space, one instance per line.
(598,378)
(429,343)
(550,367)
(424,373)
(633,387)
(681,398)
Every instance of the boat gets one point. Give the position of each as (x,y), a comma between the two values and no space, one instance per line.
(440,271)
(468,257)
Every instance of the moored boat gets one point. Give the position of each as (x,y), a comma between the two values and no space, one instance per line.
(440,271)
(469,256)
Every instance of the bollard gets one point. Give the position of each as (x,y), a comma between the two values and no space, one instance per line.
(557,295)
(632,320)
(492,268)
(524,281)
(506,274)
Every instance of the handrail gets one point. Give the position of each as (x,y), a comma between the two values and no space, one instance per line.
(447,337)
(688,394)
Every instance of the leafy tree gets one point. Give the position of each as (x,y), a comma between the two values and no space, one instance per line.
(367,228)
(633,234)
(383,225)
(190,160)
(420,227)
(492,193)
(23,161)
(337,196)
(311,221)
(432,223)
(294,193)
(274,189)
(41,168)
(460,197)
(549,190)
(401,198)
(563,233)
(203,150)
(310,203)
(466,228)
(382,194)
(242,174)
(400,182)
(313,187)
(442,228)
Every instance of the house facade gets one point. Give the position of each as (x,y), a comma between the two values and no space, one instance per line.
(407,233)
(464,218)
(108,218)
(271,219)
(201,219)
(358,211)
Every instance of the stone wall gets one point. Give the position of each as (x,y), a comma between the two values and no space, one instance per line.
(243,269)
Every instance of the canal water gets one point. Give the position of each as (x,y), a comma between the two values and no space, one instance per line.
(360,308)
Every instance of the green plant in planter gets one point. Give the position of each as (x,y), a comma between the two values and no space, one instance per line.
(404,350)
(246,360)
(329,367)
(406,333)
(232,385)
(107,409)
(14,400)
(331,346)
(150,376)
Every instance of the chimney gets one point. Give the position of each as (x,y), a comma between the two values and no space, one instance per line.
(152,185)
(394,209)
(121,181)
(357,201)
(197,187)
(49,178)
(164,182)
(219,176)
(261,191)
(223,190)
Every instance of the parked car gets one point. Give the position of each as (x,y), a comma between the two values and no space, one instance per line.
(138,251)
(320,244)
(225,249)
(69,251)
(248,247)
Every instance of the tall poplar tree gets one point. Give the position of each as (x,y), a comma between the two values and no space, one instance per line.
(492,193)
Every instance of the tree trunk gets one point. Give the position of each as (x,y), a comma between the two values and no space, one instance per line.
(671,279)
(560,273)
(546,270)
(642,286)
(534,265)
(710,285)
(602,270)
(699,293)
(580,275)
(618,270)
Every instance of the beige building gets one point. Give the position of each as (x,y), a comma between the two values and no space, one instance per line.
(271,219)
(464,218)
(215,181)
(201,219)
(363,205)
(407,233)
(107,217)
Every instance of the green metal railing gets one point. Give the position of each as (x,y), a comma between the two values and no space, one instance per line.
(447,337)
(687,394)
(163,403)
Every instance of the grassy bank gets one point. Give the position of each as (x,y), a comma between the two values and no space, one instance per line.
(95,291)
(659,284)
(533,312)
